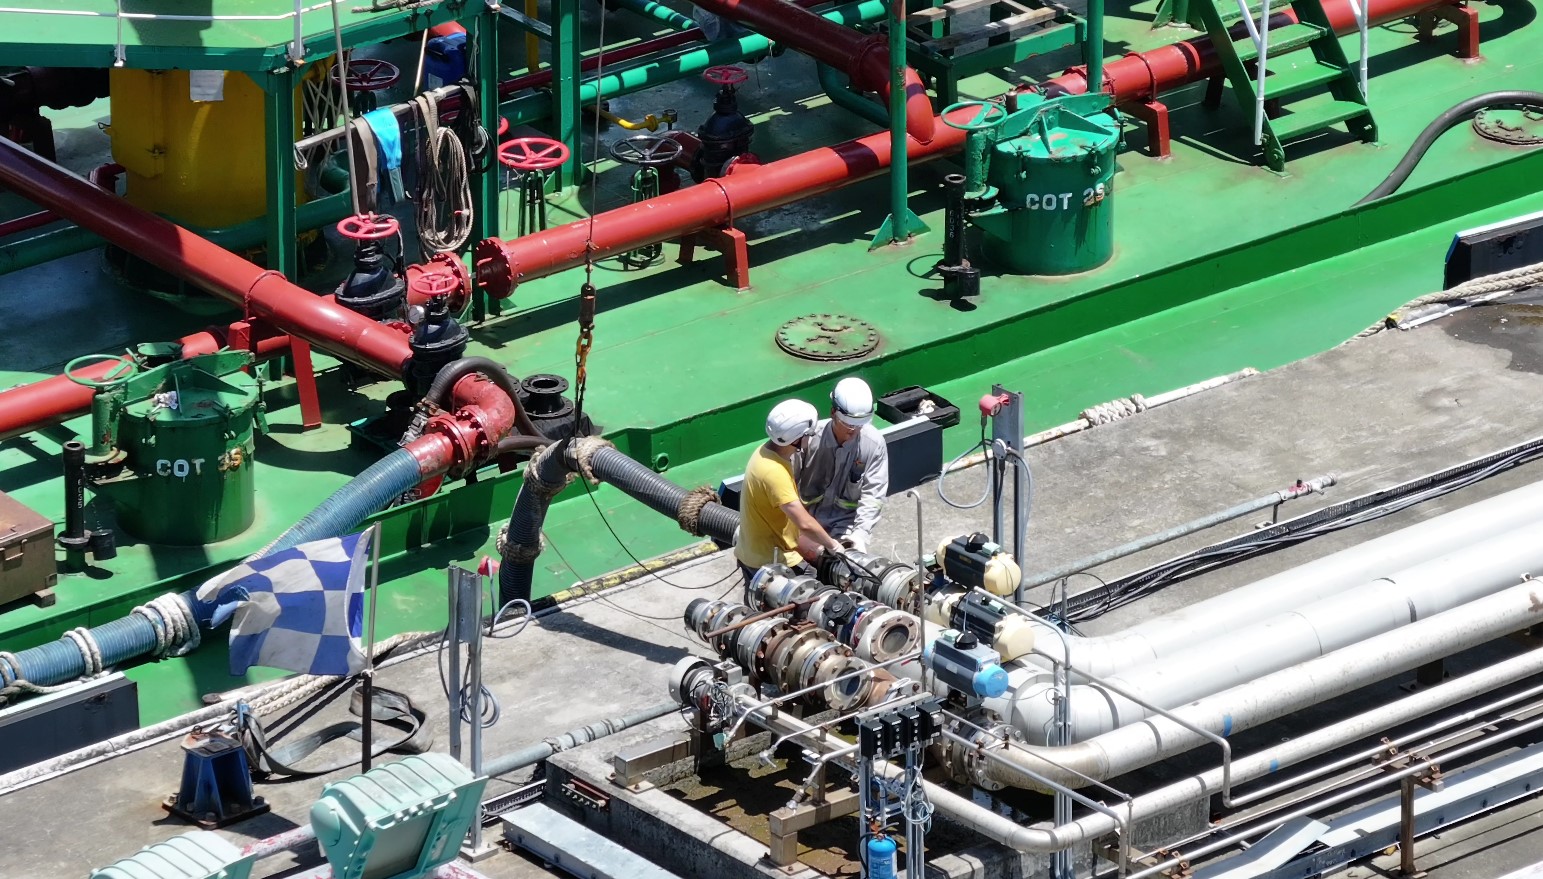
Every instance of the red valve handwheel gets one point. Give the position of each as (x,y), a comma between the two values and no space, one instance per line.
(431,284)
(371,75)
(725,74)
(368,227)
(532,153)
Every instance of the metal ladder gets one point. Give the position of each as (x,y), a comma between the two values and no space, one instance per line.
(1345,100)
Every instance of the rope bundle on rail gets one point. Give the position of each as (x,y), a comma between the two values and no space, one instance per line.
(444,183)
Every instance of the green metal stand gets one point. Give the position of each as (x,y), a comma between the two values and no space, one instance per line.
(279,131)
(901,225)
(487,191)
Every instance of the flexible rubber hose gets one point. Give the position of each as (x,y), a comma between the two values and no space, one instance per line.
(525,521)
(608,465)
(659,494)
(60,661)
(367,493)
(495,372)
(1453,116)
(511,444)
(131,636)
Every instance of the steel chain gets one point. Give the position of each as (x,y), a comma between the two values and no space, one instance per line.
(581,349)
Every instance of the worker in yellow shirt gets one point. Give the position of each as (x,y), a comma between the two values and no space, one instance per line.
(774,526)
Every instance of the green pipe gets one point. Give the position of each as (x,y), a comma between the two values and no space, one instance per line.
(47,247)
(679,64)
(842,95)
(901,225)
(899,178)
(1093,51)
(657,11)
(311,215)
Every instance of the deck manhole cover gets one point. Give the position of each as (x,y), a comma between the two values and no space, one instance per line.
(1518,126)
(827,337)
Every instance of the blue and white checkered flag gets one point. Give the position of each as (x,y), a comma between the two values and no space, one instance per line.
(301,609)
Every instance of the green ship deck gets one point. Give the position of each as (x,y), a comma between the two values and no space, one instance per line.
(1219,265)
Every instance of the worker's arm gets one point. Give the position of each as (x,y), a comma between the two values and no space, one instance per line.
(875,489)
(810,532)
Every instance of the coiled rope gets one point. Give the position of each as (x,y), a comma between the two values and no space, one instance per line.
(176,629)
(1114,410)
(444,184)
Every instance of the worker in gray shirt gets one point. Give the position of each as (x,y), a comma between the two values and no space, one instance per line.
(843,471)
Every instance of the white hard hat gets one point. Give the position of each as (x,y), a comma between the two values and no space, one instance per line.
(790,421)
(853,401)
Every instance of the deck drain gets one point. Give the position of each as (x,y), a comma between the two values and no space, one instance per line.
(827,337)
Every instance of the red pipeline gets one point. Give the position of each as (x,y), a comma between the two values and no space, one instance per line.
(502,265)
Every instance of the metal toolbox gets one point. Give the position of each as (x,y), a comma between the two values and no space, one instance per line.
(27,565)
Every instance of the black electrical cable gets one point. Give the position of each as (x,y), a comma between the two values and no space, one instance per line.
(1093,603)
(635,559)
(1449,118)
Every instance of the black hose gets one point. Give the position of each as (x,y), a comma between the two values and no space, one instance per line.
(660,494)
(512,444)
(1446,120)
(544,476)
(552,470)
(495,373)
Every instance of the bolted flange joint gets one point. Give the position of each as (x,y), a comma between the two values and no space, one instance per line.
(493,259)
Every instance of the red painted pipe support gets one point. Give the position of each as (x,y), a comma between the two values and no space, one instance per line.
(266,295)
(863,58)
(1141,76)
(502,265)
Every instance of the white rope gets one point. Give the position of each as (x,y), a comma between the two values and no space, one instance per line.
(444,197)
(10,668)
(1114,410)
(90,651)
(1483,289)
(176,629)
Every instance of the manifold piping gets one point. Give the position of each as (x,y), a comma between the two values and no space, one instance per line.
(1267,643)
(1109,655)
(1044,837)
(1275,695)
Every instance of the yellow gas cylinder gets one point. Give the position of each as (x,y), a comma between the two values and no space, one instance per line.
(192,144)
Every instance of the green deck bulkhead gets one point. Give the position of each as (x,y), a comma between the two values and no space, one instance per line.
(1052,167)
(185,434)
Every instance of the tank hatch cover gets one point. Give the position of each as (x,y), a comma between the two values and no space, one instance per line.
(827,337)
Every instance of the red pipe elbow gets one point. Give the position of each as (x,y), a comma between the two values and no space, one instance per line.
(482,416)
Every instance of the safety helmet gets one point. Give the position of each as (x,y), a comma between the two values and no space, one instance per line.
(853,401)
(790,421)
